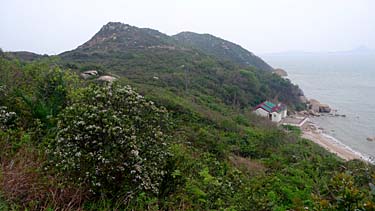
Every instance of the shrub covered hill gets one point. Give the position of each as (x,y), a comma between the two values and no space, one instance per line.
(222,49)
(175,131)
(147,56)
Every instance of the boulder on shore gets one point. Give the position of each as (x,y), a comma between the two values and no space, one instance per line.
(313,113)
(280,72)
(324,108)
(316,106)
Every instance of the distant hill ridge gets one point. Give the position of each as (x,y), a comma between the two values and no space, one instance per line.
(119,37)
(24,55)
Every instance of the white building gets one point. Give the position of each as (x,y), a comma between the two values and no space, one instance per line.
(274,112)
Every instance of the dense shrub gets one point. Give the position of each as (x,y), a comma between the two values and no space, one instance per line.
(35,91)
(111,140)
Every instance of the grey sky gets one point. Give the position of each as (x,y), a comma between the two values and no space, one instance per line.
(261,26)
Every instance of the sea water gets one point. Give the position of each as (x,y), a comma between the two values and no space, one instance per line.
(346,82)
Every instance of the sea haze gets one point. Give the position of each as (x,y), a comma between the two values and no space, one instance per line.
(345,81)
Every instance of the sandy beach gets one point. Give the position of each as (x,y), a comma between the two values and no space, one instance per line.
(330,145)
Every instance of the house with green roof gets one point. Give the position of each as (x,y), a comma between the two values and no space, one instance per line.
(274,112)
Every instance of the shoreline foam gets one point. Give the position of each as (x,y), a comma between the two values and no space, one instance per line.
(333,145)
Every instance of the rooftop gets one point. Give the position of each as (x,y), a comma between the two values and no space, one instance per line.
(271,107)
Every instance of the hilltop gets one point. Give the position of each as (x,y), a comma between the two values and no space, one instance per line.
(116,36)
(119,37)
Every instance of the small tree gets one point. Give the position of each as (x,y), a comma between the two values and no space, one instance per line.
(111,140)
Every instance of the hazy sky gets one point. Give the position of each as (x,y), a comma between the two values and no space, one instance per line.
(261,26)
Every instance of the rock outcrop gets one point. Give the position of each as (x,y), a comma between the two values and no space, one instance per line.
(314,105)
(107,78)
(89,74)
(324,108)
(280,72)
(317,107)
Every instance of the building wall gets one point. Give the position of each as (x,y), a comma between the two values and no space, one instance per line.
(284,113)
(276,117)
(261,112)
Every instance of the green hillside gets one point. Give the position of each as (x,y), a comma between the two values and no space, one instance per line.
(222,49)
(141,55)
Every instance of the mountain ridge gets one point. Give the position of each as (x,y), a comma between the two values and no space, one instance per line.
(120,37)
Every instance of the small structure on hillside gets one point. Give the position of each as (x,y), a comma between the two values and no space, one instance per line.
(274,112)
(296,121)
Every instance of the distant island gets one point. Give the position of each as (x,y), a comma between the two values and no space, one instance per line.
(360,50)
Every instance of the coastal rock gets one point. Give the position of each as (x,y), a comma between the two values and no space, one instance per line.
(313,113)
(318,107)
(280,72)
(89,74)
(303,113)
(324,108)
(314,105)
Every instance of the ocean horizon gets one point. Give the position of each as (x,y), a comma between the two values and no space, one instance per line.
(346,82)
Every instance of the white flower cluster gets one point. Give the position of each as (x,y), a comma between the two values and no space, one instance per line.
(6,118)
(112,137)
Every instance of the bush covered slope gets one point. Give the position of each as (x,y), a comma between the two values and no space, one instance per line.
(149,57)
(222,49)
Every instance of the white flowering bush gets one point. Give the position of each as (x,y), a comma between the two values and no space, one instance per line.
(111,140)
(7,118)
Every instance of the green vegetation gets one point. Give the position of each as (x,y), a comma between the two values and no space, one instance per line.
(222,49)
(70,144)
(111,140)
